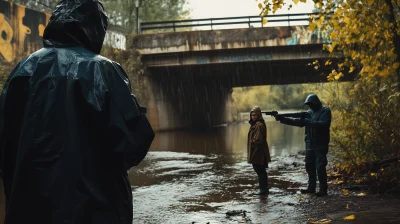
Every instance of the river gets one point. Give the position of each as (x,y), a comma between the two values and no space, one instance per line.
(196,177)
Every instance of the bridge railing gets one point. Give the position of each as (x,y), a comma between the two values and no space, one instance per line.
(227,22)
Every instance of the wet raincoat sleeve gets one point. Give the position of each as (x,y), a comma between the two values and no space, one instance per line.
(128,126)
(299,122)
(323,121)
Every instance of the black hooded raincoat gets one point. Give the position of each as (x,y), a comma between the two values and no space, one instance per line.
(70,128)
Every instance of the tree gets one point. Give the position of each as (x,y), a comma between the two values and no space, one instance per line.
(366,33)
(123,12)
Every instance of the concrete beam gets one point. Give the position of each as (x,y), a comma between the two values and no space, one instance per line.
(301,52)
(193,41)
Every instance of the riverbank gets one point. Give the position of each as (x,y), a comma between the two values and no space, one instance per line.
(357,206)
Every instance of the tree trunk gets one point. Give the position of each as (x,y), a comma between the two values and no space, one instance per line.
(396,38)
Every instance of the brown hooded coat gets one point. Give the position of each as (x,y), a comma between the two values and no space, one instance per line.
(257,146)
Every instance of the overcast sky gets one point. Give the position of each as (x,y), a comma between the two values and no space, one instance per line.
(231,8)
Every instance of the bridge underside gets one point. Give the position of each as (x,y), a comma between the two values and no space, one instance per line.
(199,96)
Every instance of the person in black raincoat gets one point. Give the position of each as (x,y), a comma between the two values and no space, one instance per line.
(70,128)
(317,135)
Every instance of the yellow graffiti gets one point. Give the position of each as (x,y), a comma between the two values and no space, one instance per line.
(41,29)
(41,26)
(14,40)
(23,31)
(6,33)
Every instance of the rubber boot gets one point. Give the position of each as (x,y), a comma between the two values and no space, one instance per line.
(263,184)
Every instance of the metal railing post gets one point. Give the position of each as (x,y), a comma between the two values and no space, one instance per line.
(211,25)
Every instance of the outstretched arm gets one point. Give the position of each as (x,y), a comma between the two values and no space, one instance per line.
(299,122)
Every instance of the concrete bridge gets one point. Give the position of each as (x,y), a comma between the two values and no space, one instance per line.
(191,74)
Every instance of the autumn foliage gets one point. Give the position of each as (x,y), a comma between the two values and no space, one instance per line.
(365,40)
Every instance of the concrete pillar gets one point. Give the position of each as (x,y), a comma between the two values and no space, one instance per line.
(182,100)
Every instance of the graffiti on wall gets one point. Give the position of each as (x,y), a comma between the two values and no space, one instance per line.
(302,35)
(21,32)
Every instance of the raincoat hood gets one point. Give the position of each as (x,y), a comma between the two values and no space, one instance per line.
(257,110)
(314,101)
(77,23)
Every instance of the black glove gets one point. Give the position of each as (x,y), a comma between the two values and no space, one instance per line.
(279,117)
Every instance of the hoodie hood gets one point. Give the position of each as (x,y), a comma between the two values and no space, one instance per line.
(314,102)
(257,110)
(76,23)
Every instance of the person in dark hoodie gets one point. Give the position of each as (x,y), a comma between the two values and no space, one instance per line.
(317,135)
(257,149)
(70,128)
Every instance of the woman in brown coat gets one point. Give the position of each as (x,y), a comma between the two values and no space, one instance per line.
(257,148)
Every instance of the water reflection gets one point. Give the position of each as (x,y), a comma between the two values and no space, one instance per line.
(197,176)
(282,139)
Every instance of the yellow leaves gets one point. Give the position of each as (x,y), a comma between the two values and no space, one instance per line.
(335,76)
(370,2)
(328,62)
(312,26)
(352,69)
(374,100)
(332,47)
(384,73)
(295,1)
(339,11)
(396,65)
(276,7)
(304,1)
(373,174)
(264,21)
(350,217)
(338,76)
(322,221)
(334,35)
(345,192)
(362,194)
(354,55)
(260,6)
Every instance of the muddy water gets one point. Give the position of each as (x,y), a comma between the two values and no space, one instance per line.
(197,177)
